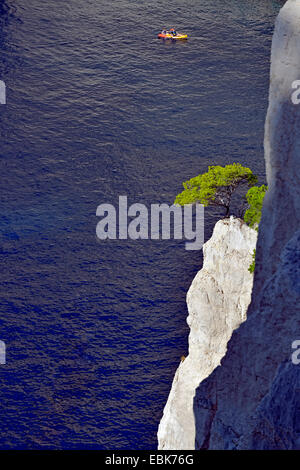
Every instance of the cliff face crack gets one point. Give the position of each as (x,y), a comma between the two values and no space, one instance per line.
(205,445)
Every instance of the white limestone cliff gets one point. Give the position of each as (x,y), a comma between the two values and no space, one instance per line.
(252,400)
(217,303)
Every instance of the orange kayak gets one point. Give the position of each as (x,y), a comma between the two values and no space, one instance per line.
(172,36)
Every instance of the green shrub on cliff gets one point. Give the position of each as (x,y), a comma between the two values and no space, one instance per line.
(216,186)
(252,265)
(255,197)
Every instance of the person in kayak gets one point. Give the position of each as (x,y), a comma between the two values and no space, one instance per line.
(173,32)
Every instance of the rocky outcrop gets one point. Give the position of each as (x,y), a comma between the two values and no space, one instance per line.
(251,400)
(217,303)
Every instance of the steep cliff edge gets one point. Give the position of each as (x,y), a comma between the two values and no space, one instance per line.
(252,400)
(217,303)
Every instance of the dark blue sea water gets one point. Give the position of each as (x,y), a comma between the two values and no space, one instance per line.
(97,107)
